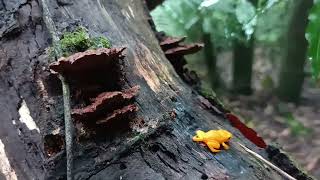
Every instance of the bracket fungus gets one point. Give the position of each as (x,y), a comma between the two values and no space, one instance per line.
(98,98)
(83,65)
(123,113)
(175,51)
(105,103)
(170,42)
(172,47)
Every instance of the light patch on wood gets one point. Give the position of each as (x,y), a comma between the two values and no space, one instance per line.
(166,72)
(26,118)
(5,167)
(42,88)
(56,131)
(125,13)
(131,12)
(145,70)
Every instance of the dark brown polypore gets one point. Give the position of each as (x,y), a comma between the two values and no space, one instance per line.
(92,68)
(175,52)
(182,50)
(119,114)
(105,102)
(170,42)
(172,47)
(85,61)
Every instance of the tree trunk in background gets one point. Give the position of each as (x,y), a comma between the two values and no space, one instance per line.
(158,146)
(242,64)
(242,67)
(292,66)
(211,60)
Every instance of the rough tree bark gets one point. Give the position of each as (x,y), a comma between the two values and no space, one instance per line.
(158,145)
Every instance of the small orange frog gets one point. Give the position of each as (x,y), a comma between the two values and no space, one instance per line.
(213,138)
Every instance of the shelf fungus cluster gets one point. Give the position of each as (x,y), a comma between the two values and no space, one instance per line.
(100,103)
(175,51)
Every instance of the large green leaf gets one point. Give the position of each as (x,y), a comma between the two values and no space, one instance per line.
(313,37)
(246,15)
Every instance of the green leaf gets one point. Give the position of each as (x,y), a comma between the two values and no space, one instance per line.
(267,4)
(313,37)
(246,15)
(207,3)
(175,18)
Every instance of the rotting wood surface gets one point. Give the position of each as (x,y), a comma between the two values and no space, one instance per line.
(160,149)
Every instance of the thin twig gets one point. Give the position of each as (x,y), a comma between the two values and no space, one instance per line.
(256,155)
(68,126)
(66,93)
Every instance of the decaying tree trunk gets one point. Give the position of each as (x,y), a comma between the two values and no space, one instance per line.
(158,143)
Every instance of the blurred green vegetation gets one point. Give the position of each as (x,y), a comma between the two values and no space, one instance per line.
(241,26)
(296,127)
(225,19)
(313,37)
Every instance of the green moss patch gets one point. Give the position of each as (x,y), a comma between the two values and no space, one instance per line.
(77,41)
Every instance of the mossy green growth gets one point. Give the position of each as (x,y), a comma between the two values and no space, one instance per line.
(78,41)
(99,42)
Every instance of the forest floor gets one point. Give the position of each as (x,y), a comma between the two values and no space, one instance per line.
(295,128)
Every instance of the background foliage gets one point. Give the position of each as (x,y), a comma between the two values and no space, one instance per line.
(225,19)
(313,37)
